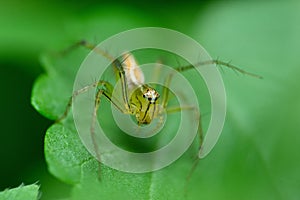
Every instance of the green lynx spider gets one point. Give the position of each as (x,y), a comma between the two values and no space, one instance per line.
(143,101)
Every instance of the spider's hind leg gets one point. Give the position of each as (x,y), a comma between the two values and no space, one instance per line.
(199,133)
(169,110)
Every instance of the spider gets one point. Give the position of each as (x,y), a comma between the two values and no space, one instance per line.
(140,100)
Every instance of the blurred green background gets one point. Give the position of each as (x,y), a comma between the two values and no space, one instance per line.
(259,148)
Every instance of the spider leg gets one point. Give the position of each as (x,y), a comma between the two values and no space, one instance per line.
(87,45)
(199,132)
(218,63)
(99,84)
(108,94)
(76,93)
(166,90)
(200,136)
(117,64)
(169,110)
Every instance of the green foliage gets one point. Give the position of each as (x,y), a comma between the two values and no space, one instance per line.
(68,159)
(28,192)
(257,155)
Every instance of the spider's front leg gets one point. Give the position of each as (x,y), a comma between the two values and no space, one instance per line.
(79,92)
(107,93)
(117,65)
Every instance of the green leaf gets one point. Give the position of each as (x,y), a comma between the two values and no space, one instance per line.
(257,154)
(168,183)
(65,153)
(68,159)
(28,192)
